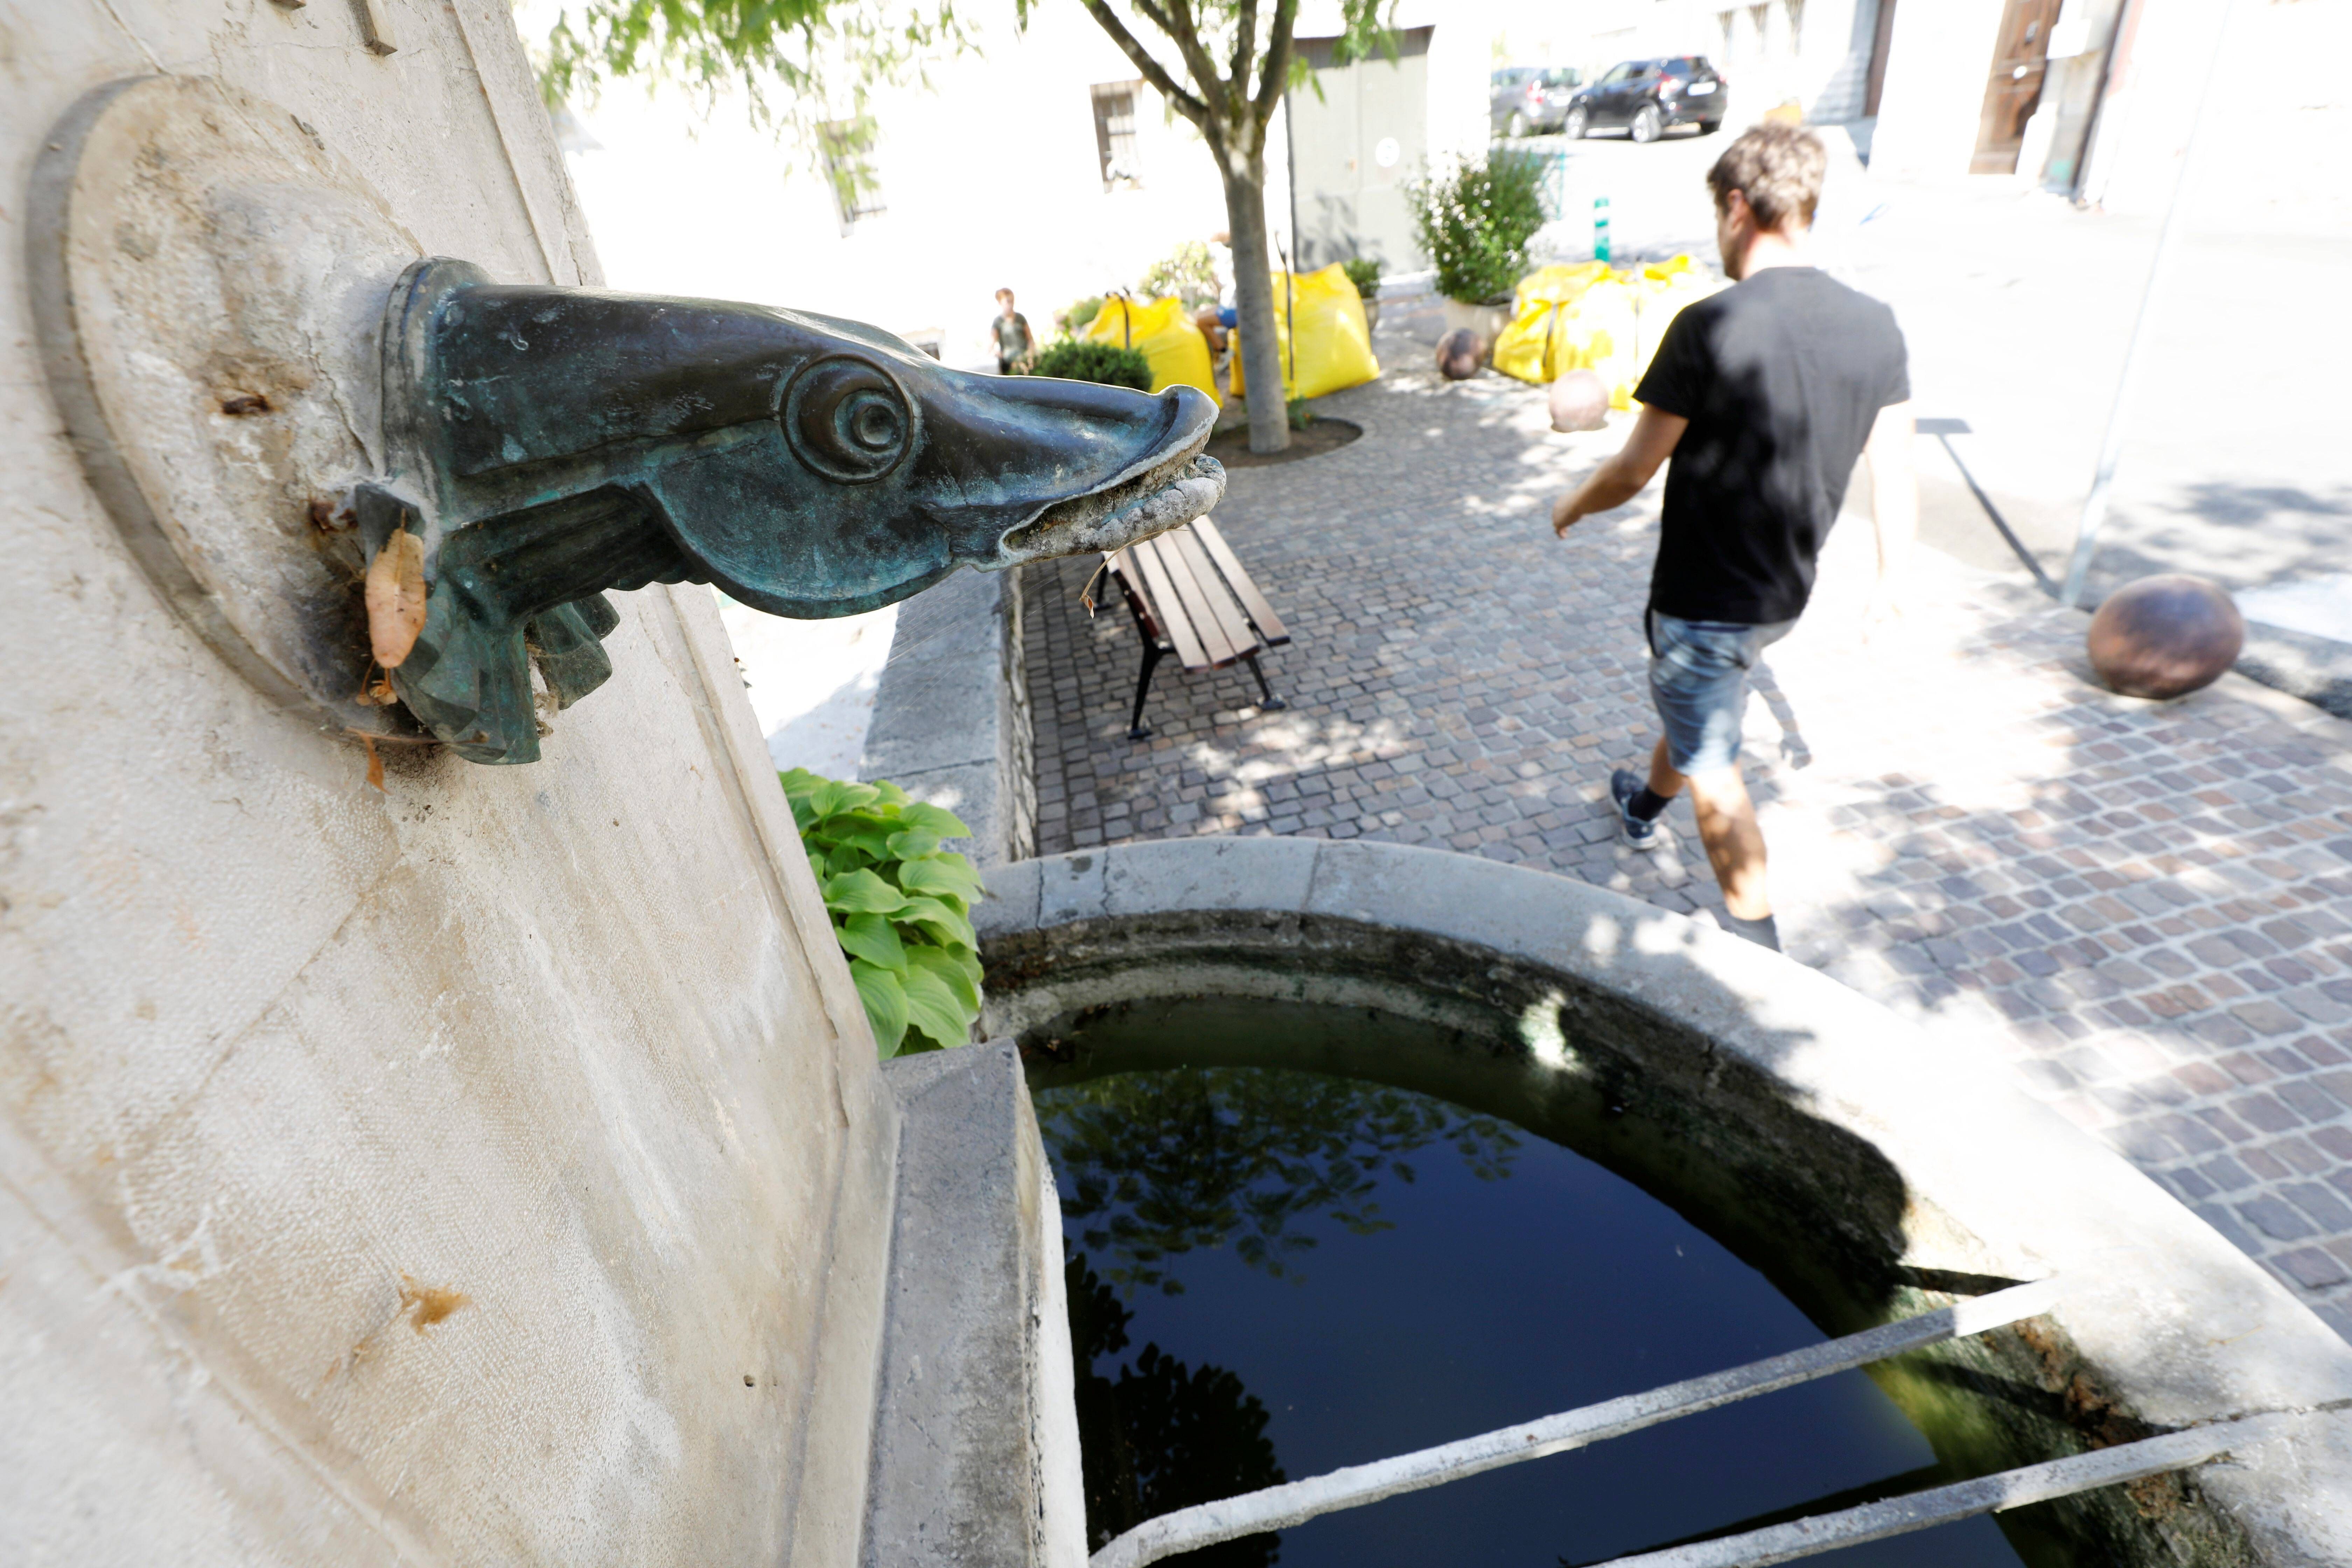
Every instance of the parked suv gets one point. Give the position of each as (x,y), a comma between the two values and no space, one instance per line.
(1522,100)
(1645,97)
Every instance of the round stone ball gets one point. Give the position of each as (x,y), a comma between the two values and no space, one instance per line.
(2166,637)
(1460,354)
(1580,400)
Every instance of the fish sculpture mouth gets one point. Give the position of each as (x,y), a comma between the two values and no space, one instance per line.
(1169,494)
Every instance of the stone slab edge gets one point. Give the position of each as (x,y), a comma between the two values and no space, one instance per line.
(2188,1327)
(951,723)
(975,1457)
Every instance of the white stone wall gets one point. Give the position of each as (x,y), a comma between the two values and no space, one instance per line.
(2269,162)
(1936,65)
(991,178)
(286,1060)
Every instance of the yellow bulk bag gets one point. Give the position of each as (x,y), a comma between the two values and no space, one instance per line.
(1664,292)
(1599,334)
(1592,317)
(1529,347)
(1673,269)
(1164,334)
(1558,283)
(1318,320)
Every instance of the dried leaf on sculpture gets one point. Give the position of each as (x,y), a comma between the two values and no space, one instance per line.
(395,597)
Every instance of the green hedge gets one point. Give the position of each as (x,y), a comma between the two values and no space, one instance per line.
(1105,363)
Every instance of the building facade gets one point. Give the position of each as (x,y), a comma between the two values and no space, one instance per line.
(1041,162)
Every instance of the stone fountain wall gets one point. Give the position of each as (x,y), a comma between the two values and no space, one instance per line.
(491,1166)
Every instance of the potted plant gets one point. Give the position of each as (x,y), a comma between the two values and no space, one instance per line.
(1188,273)
(1474,222)
(1364,272)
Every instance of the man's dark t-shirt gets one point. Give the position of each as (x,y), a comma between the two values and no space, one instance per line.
(1781,377)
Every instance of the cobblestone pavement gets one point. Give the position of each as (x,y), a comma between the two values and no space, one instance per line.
(2143,912)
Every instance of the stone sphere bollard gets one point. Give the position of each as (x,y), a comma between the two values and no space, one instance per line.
(1461,353)
(2166,637)
(1580,400)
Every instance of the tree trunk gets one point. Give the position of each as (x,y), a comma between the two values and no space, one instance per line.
(1262,345)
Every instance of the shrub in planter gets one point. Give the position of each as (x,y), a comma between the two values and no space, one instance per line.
(1105,363)
(1188,272)
(1364,272)
(901,906)
(1475,221)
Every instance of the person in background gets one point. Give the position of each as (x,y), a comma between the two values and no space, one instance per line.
(1016,345)
(1763,397)
(1227,317)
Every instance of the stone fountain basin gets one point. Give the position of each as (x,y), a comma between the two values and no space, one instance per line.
(1868,1172)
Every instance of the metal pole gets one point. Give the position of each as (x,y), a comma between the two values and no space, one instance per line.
(1966,1500)
(2095,505)
(1295,1502)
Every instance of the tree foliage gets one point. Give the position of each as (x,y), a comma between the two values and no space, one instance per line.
(1160,1163)
(1161,1436)
(1188,272)
(801,65)
(1234,59)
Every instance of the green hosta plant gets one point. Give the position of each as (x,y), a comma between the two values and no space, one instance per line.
(901,906)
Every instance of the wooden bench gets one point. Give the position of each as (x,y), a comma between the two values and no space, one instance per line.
(1191,598)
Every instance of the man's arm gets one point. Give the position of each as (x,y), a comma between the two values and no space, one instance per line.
(1894,502)
(1620,479)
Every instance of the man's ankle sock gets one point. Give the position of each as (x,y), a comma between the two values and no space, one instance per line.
(1763,932)
(1647,805)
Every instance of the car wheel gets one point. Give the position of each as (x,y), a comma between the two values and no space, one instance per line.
(1646,124)
(1515,126)
(1573,126)
(1709,127)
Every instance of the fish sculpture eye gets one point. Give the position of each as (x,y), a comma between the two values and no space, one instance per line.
(848,419)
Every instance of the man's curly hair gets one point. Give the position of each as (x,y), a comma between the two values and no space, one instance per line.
(1778,167)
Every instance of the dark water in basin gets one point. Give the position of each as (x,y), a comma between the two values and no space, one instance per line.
(1311,1271)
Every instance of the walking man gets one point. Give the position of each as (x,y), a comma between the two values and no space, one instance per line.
(1015,343)
(1763,397)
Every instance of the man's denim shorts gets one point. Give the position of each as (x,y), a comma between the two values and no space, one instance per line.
(1698,679)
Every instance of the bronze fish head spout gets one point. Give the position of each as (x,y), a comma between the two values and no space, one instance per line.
(552,443)
(808,465)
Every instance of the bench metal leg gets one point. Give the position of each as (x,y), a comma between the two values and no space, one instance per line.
(1271,702)
(1152,656)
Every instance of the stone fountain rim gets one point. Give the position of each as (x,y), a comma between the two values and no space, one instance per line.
(2182,1325)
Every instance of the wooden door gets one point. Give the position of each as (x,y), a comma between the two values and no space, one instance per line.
(2021,57)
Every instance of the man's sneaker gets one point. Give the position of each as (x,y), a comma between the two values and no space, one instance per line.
(1623,785)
